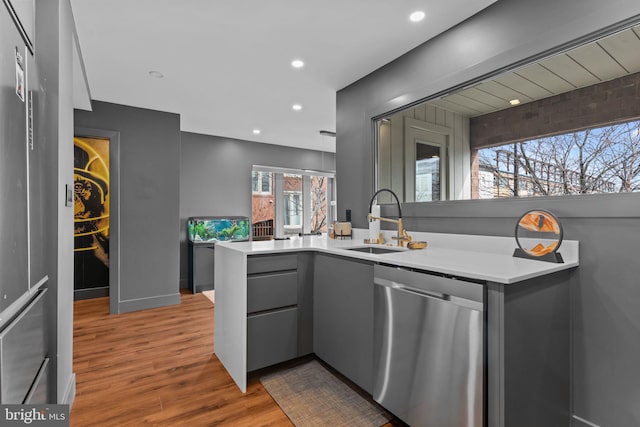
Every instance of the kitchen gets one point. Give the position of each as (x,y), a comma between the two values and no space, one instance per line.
(604,329)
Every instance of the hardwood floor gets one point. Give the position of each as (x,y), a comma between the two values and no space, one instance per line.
(157,368)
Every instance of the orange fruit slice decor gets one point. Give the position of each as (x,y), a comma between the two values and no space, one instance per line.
(539,235)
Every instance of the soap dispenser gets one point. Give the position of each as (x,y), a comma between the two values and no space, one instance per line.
(374,225)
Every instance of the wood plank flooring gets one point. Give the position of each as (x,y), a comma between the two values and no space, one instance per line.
(157,368)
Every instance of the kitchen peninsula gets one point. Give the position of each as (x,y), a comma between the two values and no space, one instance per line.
(278,300)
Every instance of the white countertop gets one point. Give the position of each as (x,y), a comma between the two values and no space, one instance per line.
(476,257)
(486,258)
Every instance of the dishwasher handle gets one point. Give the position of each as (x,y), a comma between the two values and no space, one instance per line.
(459,301)
(406,288)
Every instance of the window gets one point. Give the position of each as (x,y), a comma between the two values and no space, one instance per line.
(589,161)
(261,182)
(318,204)
(293,209)
(292,198)
(297,202)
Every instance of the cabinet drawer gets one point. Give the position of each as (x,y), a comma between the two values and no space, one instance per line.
(267,263)
(22,350)
(275,290)
(272,338)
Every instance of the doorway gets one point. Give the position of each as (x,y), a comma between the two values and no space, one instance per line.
(428,167)
(91,190)
(425,161)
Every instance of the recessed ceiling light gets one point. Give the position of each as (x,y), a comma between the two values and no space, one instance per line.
(417,16)
(514,102)
(297,107)
(256,131)
(297,63)
(156,74)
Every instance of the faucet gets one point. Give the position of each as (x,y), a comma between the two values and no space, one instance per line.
(402,233)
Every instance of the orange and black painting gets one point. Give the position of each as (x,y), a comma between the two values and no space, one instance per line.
(91,212)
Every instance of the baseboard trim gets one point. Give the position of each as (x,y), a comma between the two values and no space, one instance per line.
(80,294)
(70,392)
(581,422)
(145,303)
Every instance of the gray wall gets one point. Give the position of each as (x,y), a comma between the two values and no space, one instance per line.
(605,295)
(54,135)
(149,185)
(215,177)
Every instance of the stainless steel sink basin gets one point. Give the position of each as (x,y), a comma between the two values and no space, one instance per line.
(374,250)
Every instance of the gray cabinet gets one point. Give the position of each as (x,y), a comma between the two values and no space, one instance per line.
(272,337)
(529,352)
(269,263)
(343,316)
(272,290)
(278,305)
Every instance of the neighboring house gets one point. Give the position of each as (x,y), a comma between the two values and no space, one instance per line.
(263,208)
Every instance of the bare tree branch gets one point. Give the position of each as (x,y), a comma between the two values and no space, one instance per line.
(601,160)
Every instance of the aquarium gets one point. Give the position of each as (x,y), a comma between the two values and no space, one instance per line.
(217,229)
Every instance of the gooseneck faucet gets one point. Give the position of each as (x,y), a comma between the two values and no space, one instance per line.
(402,234)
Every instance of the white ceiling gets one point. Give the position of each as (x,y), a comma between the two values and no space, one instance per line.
(227,62)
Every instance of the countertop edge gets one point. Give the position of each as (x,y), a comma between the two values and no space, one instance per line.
(541,268)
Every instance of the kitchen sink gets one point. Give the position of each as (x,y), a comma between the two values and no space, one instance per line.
(374,250)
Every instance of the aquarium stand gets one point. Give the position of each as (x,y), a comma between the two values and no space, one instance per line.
(201,266)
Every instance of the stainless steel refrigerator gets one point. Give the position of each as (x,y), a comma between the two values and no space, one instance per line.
(23,347)
(13,161)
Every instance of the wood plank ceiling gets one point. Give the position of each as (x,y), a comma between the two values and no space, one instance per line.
(605,59)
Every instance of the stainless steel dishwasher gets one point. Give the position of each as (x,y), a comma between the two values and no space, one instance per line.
(429,348)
